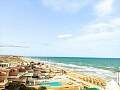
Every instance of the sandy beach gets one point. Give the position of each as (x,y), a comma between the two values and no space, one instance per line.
(77,78)
(89,81)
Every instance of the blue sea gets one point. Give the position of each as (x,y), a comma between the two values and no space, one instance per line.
(105,68)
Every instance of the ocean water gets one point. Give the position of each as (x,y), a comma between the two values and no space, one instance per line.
(105,68)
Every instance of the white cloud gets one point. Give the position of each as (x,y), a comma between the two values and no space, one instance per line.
(98,28)
(105,7)
(99,40)
(101,36)
(97,36)
(102,27)
(103,32)
(65,36)
(71,6)
(116,22)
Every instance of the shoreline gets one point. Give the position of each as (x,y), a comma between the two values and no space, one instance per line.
(74,76)
(57,67)
(89,80)
(72,69)
(102,72)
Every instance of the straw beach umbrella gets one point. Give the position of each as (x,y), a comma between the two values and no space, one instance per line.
(95,81)
(89,80)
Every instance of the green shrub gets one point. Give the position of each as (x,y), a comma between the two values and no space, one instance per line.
(22,87)
(30,88)
(42,88)
(19,86)
(14,86)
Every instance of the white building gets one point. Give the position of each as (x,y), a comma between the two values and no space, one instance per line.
(4,64)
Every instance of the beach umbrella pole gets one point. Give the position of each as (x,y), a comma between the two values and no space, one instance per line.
(118,78)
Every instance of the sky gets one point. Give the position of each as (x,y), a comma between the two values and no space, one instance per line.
(64,28)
